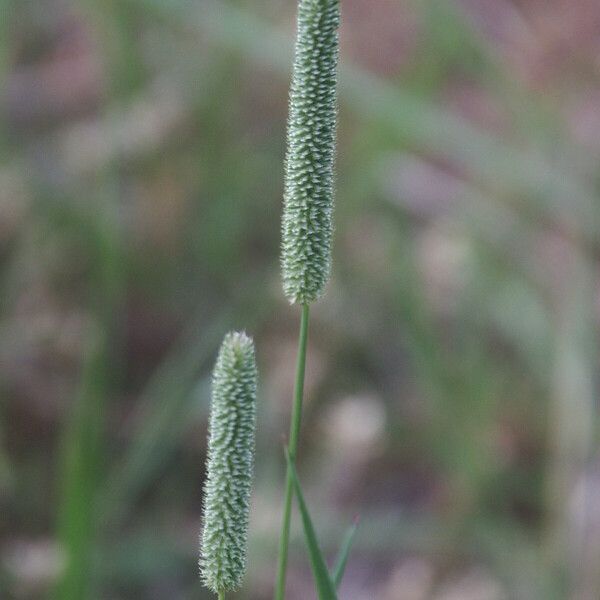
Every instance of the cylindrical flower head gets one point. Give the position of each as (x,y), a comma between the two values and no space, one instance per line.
(307,226)
(230,465)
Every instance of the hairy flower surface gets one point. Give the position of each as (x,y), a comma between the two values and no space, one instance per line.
(308,199)
(230,465)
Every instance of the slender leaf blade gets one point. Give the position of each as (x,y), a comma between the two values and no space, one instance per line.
(325,586)
(340,566)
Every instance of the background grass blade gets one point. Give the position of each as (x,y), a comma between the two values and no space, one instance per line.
(340,566)
(82,442)
(161,424)
(325,586)
(84,437)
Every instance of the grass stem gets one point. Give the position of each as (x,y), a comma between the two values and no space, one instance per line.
(292,448)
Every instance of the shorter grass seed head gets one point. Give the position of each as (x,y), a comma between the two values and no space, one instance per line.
(230,465)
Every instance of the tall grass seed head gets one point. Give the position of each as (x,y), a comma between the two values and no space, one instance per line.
(307,227)
(230,465)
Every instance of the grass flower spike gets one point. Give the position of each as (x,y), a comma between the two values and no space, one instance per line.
(308,200)
(230,465)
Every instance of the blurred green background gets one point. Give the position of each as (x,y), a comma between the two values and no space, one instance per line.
(452,371)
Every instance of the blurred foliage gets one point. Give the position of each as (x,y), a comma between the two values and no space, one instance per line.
(452,364)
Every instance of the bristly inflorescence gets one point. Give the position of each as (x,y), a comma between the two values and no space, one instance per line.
(230,465)
(307,226)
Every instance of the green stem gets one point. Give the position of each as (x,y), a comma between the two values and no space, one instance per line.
(221,595)
(292,448)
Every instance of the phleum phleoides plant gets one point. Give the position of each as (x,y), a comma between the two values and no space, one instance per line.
(308,199)
(229,466)
(307,231)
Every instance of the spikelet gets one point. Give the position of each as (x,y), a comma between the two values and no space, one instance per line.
(230,465)
(308,199)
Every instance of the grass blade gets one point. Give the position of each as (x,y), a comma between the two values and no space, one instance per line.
(340,566)
(325,586)
(162,424)
(82,442)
